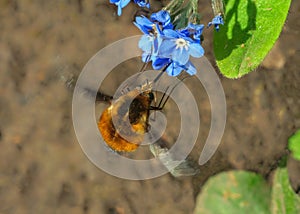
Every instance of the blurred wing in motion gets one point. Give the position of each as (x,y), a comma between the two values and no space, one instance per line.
(175,167)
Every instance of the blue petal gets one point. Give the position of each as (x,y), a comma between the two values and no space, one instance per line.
(173,69)
(144,24)
(142,3)
(181,56)
(145,43)
(158,29)
(143,21)
(142,28)
(196,50)
(159,63)
(186,32)
(163,17)
(171,33)
(217,21)
(156,45)
(119,10)
(166,48)
(192,30)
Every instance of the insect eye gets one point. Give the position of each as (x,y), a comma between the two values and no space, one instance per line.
(151,96)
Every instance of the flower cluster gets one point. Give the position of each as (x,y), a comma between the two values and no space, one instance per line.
(166,47)
(169,48)
(123,3)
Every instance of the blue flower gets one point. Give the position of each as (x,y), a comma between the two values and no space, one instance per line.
(194,31)
(152,28)
(167,48)
(163,18)
(144,24)
(142,3)
(121,4)
(157,22)
(178,47)
(217,21)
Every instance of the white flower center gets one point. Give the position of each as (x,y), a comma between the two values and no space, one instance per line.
(181,43)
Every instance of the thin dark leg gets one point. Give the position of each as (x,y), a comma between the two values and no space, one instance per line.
(162,103)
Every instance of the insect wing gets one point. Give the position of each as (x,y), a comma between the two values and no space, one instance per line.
(175,167)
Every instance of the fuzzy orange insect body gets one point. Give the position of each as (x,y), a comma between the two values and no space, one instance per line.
(138,114)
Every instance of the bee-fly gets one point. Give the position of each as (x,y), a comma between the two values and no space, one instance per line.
(139,101)
(138,114)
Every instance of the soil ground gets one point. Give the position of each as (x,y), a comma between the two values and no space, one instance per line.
(43,169)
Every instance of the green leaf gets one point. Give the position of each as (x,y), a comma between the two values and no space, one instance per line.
(294,145)
(284,199)
(234,192)
(250,30)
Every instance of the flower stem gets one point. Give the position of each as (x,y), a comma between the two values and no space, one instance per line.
(218,7)
(182,12)
(173,5)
